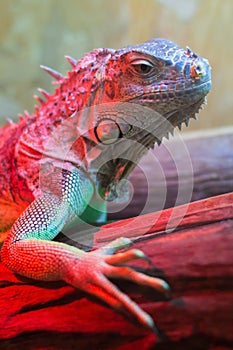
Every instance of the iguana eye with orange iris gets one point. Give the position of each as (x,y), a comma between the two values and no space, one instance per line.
(107,131)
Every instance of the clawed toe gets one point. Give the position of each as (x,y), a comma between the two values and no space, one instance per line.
(116,271)
(116,245)
(111,295)
(139,278)
(92,273)
(127,256)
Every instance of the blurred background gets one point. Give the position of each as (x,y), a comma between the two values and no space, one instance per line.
(43,31)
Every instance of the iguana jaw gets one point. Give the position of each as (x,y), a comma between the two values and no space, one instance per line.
(180,105)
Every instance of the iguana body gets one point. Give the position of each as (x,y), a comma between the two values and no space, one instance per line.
(80,143)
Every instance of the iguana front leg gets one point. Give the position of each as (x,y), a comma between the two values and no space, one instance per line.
(29,251)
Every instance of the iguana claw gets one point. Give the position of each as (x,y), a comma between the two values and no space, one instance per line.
(92,271)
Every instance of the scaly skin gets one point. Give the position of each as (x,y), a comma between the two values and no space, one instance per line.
(70,154)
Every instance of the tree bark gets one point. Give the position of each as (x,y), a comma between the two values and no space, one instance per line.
(190,246)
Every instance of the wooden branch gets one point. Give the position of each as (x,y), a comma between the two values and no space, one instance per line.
(196,260)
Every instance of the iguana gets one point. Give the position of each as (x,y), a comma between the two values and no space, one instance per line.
(96,109)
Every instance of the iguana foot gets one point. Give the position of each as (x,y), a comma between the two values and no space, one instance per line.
(92,271)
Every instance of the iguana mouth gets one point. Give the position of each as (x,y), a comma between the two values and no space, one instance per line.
(157,99)
(177,102)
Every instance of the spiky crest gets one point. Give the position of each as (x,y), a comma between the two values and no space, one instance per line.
(38,99)
(71,61)
(44,93)
(55,74)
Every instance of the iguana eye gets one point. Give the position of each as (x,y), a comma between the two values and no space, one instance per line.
(142,66)
(107,131)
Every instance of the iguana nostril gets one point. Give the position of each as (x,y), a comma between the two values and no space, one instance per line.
(197,70)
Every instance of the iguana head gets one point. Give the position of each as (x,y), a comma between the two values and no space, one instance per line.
(148,89)
(162,76)
(120,102)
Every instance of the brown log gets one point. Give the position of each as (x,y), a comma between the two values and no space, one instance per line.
(188,167)
(189,246)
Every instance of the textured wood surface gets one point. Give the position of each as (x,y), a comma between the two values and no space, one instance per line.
(195,258)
